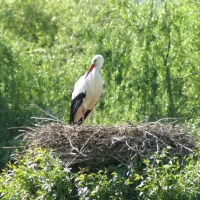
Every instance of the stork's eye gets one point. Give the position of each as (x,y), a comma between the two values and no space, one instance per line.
(95,60)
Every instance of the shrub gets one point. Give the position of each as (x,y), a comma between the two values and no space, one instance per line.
(166,177)
(106,185)
(37,175)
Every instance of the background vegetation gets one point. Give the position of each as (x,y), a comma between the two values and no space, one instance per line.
(151,51)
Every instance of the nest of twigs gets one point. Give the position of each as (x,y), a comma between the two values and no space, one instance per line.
(103,145)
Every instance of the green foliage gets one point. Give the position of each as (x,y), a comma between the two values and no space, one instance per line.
(105,185)
(37,175)
(150,49)
(165,177)
(30,20)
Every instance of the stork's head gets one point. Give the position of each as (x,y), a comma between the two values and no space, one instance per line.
(97,63)
(98,60)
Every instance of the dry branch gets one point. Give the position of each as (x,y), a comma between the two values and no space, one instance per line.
(98,145)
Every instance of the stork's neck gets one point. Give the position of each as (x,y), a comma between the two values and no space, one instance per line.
(97,68)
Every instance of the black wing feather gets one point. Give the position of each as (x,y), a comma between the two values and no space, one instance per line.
(75,104)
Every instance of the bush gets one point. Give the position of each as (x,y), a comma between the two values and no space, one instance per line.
(37,175)
(106,185)
(40,175)
(166,177)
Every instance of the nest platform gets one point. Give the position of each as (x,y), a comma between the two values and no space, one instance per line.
(107,145)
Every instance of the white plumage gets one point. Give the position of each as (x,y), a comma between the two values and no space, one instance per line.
(87,91)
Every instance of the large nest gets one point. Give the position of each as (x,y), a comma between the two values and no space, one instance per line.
(103,145)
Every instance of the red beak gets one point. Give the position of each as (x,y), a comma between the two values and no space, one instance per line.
(90,69)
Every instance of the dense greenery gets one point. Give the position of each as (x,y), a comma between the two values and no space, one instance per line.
(40,175)
(151,53)
(152,63)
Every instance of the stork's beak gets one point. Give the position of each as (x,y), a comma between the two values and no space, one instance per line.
(90,69)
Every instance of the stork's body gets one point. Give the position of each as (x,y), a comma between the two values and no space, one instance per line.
(87,92)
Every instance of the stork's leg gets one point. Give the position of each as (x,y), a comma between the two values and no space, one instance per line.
(83,115)
(91,117)
(74,127)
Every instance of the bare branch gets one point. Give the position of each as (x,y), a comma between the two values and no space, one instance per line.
(13,147)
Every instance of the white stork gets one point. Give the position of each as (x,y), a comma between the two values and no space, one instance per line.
(87,91)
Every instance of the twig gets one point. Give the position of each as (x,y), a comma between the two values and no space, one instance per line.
(79,152)
(170,118)
(14,147)
(190,150)
(88,141)
(72,161)
(24,127)
(20,136)
(48,119)
(120,161)
(129,146)
(157,146)
(48,114)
